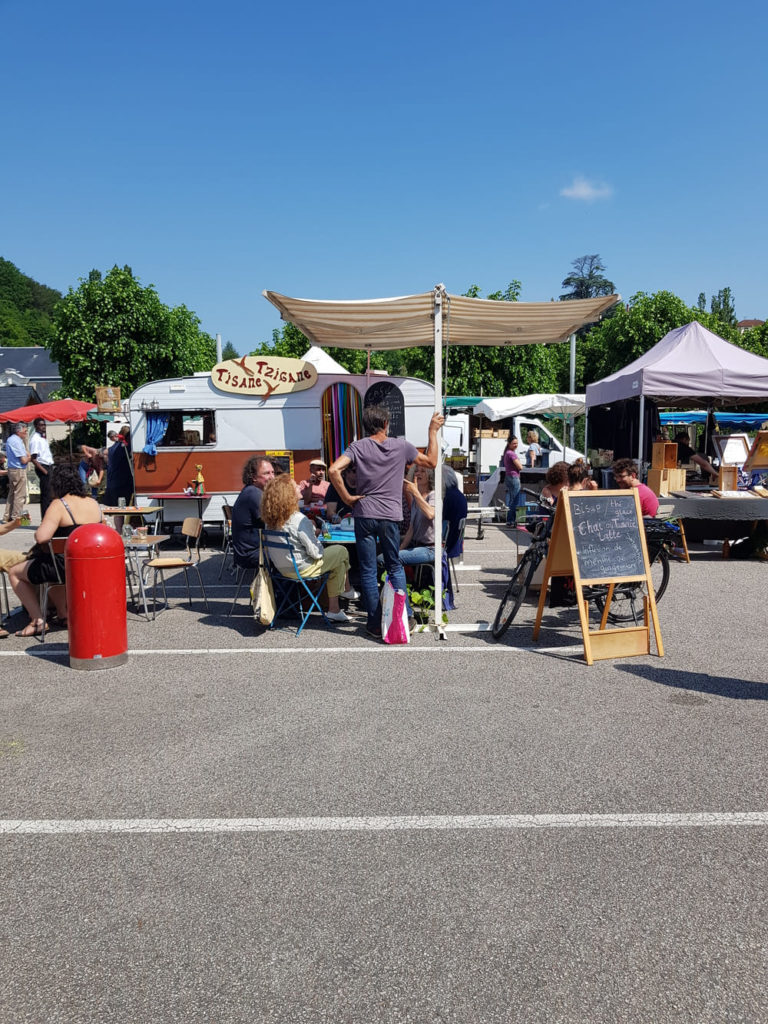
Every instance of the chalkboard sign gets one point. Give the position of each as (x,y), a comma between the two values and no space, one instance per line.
(385,393)
(606,535)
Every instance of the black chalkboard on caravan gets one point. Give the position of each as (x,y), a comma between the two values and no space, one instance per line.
(385,393)
(606,535)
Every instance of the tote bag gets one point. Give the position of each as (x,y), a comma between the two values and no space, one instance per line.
(262,594)
(394,615)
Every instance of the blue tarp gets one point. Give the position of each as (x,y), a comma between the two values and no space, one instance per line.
(746,420)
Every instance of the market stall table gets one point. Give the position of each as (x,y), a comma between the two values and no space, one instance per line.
(722,513)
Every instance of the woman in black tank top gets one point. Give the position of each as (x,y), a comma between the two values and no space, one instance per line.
(70,508)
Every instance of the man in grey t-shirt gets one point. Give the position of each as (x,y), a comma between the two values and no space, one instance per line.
(377,507)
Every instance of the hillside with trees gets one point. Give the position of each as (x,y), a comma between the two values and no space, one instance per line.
(26,308)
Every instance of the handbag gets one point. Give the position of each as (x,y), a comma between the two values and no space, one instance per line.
(93,478)
(262,593)
(394,615)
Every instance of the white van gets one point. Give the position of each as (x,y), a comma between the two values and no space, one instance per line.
(487,452)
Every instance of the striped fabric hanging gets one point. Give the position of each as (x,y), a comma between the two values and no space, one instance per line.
(342,419)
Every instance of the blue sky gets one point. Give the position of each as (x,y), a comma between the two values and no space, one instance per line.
(345,150)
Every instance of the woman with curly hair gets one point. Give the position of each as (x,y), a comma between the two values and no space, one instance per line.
(280,511)
(71,507)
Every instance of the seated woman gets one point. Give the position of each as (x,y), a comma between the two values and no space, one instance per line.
(579,478)
(280,511)
(71,507)
(418,544)
(555,480)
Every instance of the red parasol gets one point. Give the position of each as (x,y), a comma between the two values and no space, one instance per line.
(65,410)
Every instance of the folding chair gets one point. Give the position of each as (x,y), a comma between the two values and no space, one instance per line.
(227,539)
(3,574)
(458,552)
(293,592)
(192,529)
(55,547)
(242,572)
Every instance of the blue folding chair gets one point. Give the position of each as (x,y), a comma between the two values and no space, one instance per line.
(293,594)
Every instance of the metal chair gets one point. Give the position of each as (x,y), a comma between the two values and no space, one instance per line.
(227,538)
(458,552)
(3,574)
(241,574)
(293,592)
(192,529)
(55,547)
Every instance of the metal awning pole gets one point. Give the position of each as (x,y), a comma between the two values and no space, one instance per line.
(439,467)
(640,438)
(572,378)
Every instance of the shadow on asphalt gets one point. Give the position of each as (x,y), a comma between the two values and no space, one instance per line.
(720,686)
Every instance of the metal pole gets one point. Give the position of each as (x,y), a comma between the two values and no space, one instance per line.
(218,348)
(439,467)
(640,438)
(572,379)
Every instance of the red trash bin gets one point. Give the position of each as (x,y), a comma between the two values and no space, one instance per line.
(94,559)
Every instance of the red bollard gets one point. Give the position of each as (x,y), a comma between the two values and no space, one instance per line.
(94,559)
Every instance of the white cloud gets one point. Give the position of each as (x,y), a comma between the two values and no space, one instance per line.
(587,191)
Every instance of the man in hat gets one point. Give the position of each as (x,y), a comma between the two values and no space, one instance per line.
(42,460)
(315,489)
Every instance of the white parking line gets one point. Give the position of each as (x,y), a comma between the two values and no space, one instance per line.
(440,648)
(380,823)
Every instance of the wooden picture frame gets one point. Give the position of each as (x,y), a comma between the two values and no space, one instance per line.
(758,453)
(731,449)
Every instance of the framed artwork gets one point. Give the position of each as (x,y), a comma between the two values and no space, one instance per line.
(732,449)
(758,453)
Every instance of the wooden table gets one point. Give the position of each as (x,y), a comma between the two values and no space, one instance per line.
(164,497)
(134,545)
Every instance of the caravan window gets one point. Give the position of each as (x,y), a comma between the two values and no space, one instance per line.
(192,429)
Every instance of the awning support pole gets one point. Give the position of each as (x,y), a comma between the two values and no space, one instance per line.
(439,629)
(640,438)
(572,379)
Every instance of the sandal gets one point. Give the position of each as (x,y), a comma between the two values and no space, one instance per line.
(4,633)
(31,629)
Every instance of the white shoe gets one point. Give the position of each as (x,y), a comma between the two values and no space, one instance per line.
(337,616)
(350,595)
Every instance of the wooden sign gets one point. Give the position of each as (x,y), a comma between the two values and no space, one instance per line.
(263,375)
(598,538)
(758,453)
(107,399)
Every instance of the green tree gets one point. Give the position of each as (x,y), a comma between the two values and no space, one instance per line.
(25,308)
(633,329)
(723,308)
(229,352)
(111,330)
(586,280)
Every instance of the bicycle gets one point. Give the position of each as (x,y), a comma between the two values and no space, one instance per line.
(661,537)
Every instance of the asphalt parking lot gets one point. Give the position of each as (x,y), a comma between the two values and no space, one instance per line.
(242,825)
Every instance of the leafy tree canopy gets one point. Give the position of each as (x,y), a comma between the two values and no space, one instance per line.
(586,280)
(25,308)
(111,330)
(635,328)
(229,352)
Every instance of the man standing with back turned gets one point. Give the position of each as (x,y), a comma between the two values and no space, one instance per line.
(377,508)
(42,460)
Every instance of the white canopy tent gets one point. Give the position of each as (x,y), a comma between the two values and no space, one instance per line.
(322,362)
(531,405)
(436,318)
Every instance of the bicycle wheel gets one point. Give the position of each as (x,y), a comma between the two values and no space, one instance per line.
(628,599)
(515,592)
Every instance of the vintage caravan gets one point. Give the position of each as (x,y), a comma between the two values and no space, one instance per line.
(256,405)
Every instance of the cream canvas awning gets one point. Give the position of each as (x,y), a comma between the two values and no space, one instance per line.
(409,320)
